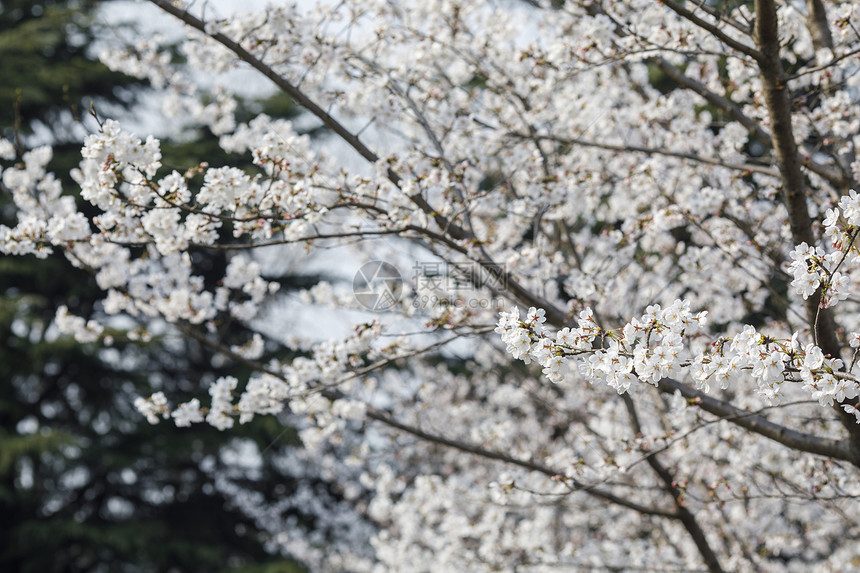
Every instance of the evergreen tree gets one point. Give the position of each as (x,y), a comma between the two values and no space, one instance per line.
(85,483)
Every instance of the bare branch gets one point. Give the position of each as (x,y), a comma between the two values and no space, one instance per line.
(714,30)
(747,167)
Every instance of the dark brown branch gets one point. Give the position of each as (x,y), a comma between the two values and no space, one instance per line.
(319,237)
(576,485)
(837,449)
(819,27)
(712,29)
(778,104)
(751,167)
(687,519)
(729,107)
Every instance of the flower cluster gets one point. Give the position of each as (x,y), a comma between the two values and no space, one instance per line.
(648,348)
(528,339)
(297,384)
(652,347)
(500,152)
(812,268)
(771,362)
(83,330)
(153,407)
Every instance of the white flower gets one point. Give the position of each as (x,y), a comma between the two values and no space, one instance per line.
(263,394)
(806,284)
(67,228)
(677,315)
(813,357)
(188,413)
(222,402)
(837,289)
(566,337)
(519,343)
(152,407)
(535,317)
(219,419)
(851,409)
(7,149)
(84,331)
(349,409)
(508,320)
(850,206)
(770,368)
(252,350)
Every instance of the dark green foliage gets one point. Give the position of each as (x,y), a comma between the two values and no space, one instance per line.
(85,483)
(48,76)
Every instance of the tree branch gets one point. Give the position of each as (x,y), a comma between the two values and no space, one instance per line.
(726,105)
(832,62)
(793,184)
(303,100)
(687,519)
(381,416)
(837,449)
(819,27)
(574,484)
(832,175)
(702,5)
(553,313)
(820,320)
(712,29)
(751,167)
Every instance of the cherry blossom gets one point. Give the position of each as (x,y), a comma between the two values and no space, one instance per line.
(626,234)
